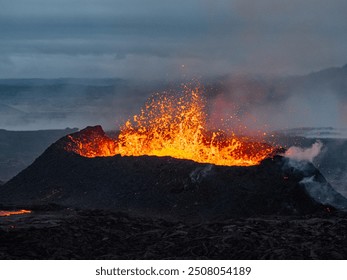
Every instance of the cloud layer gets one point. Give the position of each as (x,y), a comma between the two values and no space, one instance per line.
(169,39)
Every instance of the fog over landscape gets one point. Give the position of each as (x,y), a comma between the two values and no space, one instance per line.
(263,104)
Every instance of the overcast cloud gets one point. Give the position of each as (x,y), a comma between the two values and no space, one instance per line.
(153,39)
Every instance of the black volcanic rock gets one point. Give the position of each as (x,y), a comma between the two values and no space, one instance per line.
(164,186)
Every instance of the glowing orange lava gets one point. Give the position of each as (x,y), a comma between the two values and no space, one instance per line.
(171,125)
(17,212)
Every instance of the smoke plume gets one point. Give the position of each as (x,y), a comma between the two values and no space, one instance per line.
(302,154)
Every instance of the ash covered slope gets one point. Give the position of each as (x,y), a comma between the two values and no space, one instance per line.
(162,186)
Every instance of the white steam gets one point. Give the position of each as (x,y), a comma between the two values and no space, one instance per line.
(301,154)
(315,185)
(323,193)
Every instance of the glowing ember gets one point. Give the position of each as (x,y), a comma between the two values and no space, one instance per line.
(17,212)
(175,126)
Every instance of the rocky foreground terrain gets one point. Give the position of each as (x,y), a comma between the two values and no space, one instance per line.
(88,234)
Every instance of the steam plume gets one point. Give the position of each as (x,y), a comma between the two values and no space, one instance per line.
(301,154)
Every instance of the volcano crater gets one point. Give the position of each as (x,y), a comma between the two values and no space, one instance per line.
(163,187)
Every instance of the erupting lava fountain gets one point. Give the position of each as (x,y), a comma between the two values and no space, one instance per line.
(175,126)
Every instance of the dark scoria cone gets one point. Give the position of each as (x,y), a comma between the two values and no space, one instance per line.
(163,186)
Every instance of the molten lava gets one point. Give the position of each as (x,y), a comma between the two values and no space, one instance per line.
(17,212)
(171,125)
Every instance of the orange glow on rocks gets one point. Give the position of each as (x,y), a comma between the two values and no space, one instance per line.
(17,212)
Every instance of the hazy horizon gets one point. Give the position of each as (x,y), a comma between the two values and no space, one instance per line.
(316,100)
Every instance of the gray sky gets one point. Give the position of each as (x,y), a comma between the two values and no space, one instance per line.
(153,39)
